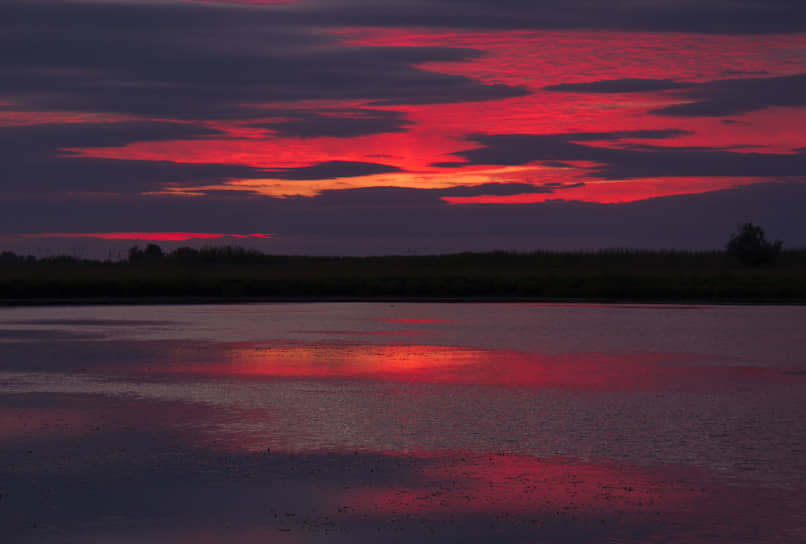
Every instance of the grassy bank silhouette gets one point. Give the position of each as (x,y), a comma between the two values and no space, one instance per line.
(232,273)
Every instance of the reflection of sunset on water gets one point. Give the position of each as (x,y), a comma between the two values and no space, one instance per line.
(557,499)
(25,422)
(463,484)
(341,424)
(336,361)
(467,366)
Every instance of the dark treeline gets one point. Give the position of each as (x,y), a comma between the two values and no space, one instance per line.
(189,255)
(153,254)
(234,273)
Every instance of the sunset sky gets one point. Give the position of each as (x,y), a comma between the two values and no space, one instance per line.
(400,126)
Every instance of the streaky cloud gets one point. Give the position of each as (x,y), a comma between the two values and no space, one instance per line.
(395,220)
(625,85)
(191,61)
(343,123)
(644,161)
(737,96)
(331,170)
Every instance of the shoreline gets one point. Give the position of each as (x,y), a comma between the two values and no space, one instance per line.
(224,301)
(230,277)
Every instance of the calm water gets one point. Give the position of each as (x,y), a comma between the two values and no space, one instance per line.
(403,422)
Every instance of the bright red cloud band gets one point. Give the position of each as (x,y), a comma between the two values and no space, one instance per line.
(322,112)
(435,133)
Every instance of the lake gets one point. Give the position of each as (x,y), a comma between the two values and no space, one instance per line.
(403,422)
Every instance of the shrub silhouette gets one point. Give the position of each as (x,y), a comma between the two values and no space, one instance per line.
(7,257)
(135,254)
(751,247)
(152,253)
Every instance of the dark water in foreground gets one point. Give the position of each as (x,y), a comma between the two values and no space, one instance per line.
(403,422)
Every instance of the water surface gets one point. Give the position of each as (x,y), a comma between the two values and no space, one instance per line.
(436,422)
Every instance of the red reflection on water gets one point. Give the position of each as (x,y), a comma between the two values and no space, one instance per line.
(16,422)
(361,333)
(411,320)
(396,362)
(175,421)
(467,366)
(247,2)
(459,484)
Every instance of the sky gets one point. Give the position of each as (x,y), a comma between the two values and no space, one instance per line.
(362,127)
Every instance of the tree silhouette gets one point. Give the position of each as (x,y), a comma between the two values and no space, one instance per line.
(751,247)
(8,257)
(135,254)
(152,253)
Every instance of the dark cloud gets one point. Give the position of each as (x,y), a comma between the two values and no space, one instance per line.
(496,189)
(720,16)
(376,195)
(72,174)
(626,85)
(550,149)
(736,96)
(204,61)
(346,123)
(233,193)
(54,136)
(34,159)
(165,59)
(663,134)
(332,169)
(394,220)
(713,99)
(193,61)
(557,185)
(733,72)
(68,175)
(630,161)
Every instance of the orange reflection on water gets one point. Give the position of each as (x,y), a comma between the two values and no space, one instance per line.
(396,362)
